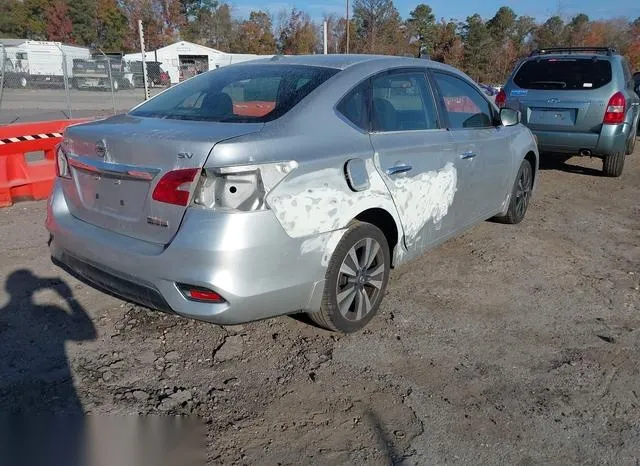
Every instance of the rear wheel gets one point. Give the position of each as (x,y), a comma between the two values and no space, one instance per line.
(520,196)
(612,165)
(356,280)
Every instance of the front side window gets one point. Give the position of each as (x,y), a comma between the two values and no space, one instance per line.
(465,106)
(402,102)
(563,74)
(237,94)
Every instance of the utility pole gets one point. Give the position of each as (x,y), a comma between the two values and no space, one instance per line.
(144,61)
(324,30)
(347,26)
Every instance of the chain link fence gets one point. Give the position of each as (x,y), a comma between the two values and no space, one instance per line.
(50,81)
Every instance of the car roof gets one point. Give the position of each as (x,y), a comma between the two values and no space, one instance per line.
(344,61)
(585,55)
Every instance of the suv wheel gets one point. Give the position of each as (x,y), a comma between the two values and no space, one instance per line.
(356,280)
(612,165)
(520,196)
(631,143)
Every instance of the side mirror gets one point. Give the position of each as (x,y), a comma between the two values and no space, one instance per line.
(509,117)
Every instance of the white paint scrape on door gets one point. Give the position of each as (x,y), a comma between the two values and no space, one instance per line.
(425,197)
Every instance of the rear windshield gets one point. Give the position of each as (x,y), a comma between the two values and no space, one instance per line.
(237,94)
(563,74)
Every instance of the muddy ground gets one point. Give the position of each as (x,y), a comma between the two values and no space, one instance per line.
(511,344)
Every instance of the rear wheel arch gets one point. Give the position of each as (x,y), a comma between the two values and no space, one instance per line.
(383,220)
(533,160)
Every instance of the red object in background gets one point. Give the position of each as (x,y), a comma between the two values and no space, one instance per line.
(256,108)
(19,178)
(501,98)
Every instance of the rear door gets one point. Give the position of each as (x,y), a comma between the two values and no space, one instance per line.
(564,94)
(481,146)
(414,156)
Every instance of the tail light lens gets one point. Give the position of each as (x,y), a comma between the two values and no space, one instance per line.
(501,98)
(615,109)
(174,187)
(242,188)
(62,163)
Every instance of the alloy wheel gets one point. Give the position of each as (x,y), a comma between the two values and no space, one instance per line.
(360,279)
(523,189)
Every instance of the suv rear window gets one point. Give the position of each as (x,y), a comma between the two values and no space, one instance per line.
(563,74)
(237,94)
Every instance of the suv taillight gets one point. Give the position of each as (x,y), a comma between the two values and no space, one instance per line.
(501,98)
(615,110)
(174,186)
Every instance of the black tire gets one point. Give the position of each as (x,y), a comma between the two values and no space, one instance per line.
(366,278)
(612,165)
(520,195)
(631,143)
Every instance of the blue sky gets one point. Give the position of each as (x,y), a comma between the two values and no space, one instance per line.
(459,9)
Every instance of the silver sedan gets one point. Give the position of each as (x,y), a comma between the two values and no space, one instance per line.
(286,185)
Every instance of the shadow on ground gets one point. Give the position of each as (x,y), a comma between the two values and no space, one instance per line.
(38,400)
(561,163)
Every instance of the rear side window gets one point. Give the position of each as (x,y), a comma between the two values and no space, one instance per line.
(237,94)
(563,74)
(402,102)
(355,106)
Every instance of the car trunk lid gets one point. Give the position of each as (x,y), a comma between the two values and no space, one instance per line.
(118,162)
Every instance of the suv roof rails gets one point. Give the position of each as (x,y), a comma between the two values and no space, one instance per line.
(608,50)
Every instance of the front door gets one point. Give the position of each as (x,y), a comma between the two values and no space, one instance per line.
(481,144)
(414,155)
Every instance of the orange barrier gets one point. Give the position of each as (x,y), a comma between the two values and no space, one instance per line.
(19,178)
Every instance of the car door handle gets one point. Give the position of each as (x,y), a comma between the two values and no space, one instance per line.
(400,168)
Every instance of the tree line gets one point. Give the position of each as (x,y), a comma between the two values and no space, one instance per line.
(486,48)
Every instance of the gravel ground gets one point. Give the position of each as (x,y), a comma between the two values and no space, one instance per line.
(511,344)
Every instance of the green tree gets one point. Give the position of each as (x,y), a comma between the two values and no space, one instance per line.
(112,26)
(209,23)
(477,48)
(422,25)
(83,16)
(551,33)
(502,24)
(577,30)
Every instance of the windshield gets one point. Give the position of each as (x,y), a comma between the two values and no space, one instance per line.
(237,94)
(564,74)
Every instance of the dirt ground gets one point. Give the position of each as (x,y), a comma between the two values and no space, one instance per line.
(511,344)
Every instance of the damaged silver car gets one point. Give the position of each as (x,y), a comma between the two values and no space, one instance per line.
(285,185)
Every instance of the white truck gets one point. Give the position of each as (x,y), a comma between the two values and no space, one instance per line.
(33,63)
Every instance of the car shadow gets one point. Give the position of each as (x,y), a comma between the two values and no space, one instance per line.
(559,162)
(35,377)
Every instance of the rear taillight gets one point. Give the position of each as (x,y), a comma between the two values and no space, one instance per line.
(501,98)
(615,109)
(197,293)
(174,186)
(62,163)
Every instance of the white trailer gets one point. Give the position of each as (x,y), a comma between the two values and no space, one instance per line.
(40,63)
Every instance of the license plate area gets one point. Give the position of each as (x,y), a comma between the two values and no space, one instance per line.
(553,116)
(113,196)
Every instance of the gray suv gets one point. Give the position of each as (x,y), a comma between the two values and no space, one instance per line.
(577,101)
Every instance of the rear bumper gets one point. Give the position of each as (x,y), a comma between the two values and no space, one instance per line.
(247,258)
(611,140)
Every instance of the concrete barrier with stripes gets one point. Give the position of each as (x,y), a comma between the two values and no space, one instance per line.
(23,179)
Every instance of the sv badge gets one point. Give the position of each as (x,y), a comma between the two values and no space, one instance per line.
(185,155)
